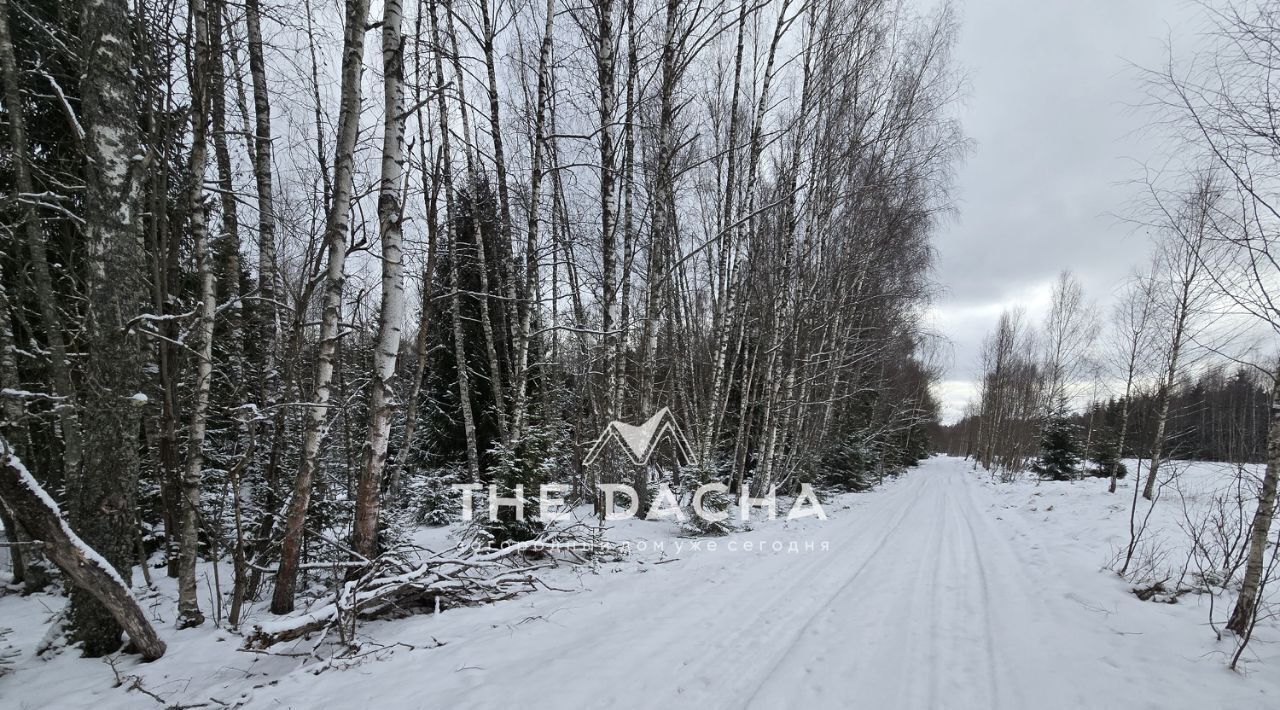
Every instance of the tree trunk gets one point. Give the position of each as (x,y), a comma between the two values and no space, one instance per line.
(724,305)
(459,342)
(608,245)
(391,317)
(431,188)
(50,318)
(267,323)
(1245,611)
(225,246)
(335,240)
(102,494)
(482,265)
(1162,417)
(189,533)
(1124,432)
(36,512)
(521,369)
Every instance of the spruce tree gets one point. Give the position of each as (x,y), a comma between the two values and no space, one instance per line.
(1059,450)
(1106,457)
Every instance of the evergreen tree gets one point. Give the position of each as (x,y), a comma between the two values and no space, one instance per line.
(1059,450)
(1106,457)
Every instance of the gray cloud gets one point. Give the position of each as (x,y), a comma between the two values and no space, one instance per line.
(1057,140)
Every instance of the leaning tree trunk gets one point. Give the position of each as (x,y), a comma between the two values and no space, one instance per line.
(335,239)
(364,537)
(36,512)
(1245,611)
(102,494)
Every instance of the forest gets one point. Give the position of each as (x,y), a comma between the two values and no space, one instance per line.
(277,273)
(364,353)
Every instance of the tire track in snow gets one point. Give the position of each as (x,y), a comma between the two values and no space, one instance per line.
(931,560)
(899,515)
(994,664)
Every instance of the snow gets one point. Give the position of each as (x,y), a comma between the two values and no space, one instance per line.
(939,590)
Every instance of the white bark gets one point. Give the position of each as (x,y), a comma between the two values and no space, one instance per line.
(335,241)
(391,315)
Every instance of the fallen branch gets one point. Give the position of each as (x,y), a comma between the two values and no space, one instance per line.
(392,586)
(386,587)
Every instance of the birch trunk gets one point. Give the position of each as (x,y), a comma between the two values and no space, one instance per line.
(189,532)
(268,274)
(1163,395)
(459,342)
(335,240)
(93,575)
(530,298)
(225,246)
(488,36)
(1245,611)
(608,246)
(391,317)
(482,264)
(102,493)
(431,189)
(663,220)
(724,306)
(267,319)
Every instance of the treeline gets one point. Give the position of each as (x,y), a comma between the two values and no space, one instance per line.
(1220,414)
(272,280)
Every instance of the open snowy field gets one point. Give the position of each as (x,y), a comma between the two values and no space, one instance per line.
(938,590)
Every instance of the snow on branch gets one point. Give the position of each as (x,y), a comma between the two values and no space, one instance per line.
(392,585)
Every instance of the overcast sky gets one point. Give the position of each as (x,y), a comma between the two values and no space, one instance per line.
(1056,139)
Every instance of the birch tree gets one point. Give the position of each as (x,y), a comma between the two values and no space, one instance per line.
(337,225)
(188,606)
(1131,324)
(391,313)
(103,491)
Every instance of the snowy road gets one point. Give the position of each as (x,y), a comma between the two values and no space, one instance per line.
(930,596)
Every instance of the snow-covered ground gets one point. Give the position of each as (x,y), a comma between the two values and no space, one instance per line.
(938,590)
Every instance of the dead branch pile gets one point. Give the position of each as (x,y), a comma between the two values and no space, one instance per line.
(393,585)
